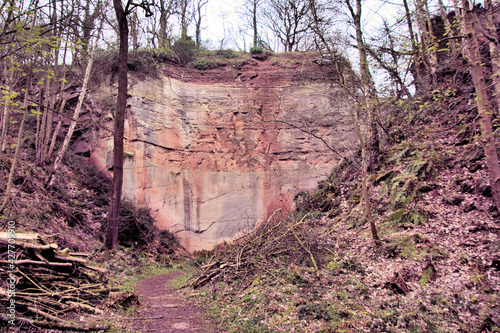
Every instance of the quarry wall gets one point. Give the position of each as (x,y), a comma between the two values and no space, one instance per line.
(214,153)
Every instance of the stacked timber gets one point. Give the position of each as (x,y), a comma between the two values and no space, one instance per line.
(44,286)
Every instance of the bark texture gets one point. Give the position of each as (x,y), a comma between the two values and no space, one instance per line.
(121,105)
(483,104)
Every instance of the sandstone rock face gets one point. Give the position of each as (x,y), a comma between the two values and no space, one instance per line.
(213,154)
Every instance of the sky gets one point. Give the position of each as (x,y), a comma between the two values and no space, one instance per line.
(221,13)
(223,20)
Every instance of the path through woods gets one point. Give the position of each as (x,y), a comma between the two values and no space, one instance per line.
(166,311)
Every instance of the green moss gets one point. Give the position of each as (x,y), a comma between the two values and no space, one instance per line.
(405,217)
(350,265)
(414,247)
(477,279)
(426,277)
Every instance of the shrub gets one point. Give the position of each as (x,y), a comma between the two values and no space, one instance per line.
(202,64)
(185,50)
(256,50)
(227,53)
(136,225)
(138,229)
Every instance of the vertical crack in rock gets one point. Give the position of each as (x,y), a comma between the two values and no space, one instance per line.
(187,203)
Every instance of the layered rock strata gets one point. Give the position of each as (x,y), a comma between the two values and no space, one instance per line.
(213,154)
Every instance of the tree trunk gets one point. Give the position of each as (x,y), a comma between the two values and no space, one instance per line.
(483,105)
(76,114)
(426,40)
(349,96)
(254,23)
(19,143)
(458,13)
(61,107)
(372,104)
(5,118)
(433,45)
(40,134)
(449,29)
(184,18)
(134,30)
(416,58)
(494,49)
(165,13)
(121,105)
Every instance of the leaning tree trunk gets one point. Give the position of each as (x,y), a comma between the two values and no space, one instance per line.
(61,107)
(483,106)
(76,114)
(19,143)
(121,104)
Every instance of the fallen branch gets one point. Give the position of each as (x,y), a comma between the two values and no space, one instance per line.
(307,250)
(33,262)
(29,245)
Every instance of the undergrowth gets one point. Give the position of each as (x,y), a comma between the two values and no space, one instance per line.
(317,270)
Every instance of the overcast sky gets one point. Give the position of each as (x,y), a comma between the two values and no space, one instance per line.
(222,15)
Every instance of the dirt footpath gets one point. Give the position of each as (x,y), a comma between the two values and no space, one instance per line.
(166,311)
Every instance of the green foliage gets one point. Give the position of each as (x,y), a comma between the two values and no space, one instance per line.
(138,229)
(313,311)
(203,64)
(227,54)
(322,200)
(344,265)
(402,187)
(185,50)
(422,169)
(136,225)
(256,50)
(146,61)
(427,276)
(162,54)
(414,247)
(405,217)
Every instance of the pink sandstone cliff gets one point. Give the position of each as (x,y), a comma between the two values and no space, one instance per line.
(213,154)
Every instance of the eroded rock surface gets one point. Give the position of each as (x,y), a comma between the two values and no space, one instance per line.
(215,153)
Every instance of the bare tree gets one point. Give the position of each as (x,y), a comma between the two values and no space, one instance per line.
(348,85)
(76,114)
(250,15)
(119,124)
(184,17)
(371,102)
(198,16)
(166,9)
(389,56)
(25,105)
(289,20)
(428,40)
(490,32)
(414,48)
(19,144)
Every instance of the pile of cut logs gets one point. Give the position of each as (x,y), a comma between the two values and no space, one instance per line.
(43,286)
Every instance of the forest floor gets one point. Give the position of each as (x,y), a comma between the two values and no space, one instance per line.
(163,309)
